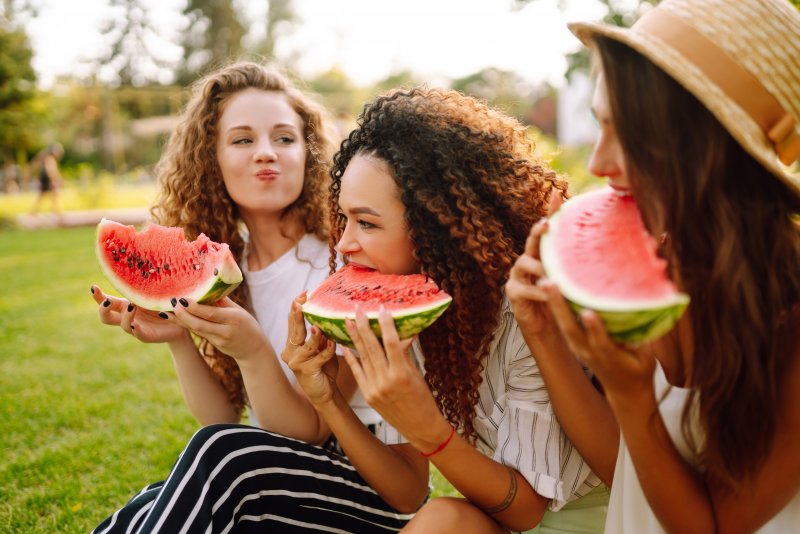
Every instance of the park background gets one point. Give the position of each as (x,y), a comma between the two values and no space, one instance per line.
(88,415)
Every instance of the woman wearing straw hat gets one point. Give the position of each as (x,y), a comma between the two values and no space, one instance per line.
(698,105)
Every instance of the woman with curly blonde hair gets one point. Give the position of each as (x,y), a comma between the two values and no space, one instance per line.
(436,182)
(247,165)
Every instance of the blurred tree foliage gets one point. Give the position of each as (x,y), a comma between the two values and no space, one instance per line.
(19,111)
(136,50)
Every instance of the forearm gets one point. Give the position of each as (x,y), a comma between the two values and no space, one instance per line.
(581,410)
(277,404)
(203,393)
(406,485)
(487,483)
(674,490)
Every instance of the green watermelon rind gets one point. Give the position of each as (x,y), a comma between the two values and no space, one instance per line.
(408,322)
(627,321)
(228,278)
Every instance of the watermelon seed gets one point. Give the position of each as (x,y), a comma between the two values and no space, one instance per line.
(122,250)
(166,266)
(216,272)
(196,267)
(151,271)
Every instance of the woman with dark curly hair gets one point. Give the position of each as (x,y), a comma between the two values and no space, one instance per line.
(436,182)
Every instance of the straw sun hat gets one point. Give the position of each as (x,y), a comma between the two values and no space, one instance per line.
(740,58)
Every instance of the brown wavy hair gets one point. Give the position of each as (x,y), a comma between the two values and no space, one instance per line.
(471,188)
(734,244)
(192,193)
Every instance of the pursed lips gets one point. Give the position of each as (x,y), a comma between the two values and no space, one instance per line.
(267,174)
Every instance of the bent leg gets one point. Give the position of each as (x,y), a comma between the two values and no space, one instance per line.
(451,514)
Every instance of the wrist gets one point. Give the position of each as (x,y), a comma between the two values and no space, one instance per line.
(436,438)
(183,341)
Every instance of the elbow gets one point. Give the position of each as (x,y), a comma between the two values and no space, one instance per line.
(410,502)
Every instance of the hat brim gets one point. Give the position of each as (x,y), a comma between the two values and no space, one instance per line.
(735,120)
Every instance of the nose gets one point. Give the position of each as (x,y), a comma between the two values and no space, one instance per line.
(347,244)
(265,151)
(605,161)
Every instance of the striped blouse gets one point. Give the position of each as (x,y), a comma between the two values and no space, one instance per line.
(515,422)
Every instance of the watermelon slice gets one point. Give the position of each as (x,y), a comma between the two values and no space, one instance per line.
(600,255)
(151,267)
(413,300)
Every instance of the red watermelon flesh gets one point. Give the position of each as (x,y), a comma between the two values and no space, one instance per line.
(414,301)
(151,267)
(600,255)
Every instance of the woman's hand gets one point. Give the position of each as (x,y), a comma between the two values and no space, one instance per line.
(389,378)
(145,325)
(226,325)
(626,374)
(528,301)
(313,361)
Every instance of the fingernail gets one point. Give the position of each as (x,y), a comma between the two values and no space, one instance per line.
(106,303)
(174,302)
(163,315)
(184,302)
(92,290)
(130,307)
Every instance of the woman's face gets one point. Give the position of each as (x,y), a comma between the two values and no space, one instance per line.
(261,151)
(376,234)
(607,158)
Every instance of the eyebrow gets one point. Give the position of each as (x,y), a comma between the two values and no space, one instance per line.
(364,209)
(274,127)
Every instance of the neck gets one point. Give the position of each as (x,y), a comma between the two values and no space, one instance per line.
(270,238)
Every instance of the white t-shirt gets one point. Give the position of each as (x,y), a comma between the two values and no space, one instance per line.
(628,509)
(515,422)
(272,291)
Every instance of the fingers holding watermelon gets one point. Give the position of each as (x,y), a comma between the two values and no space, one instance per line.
(145,325)
(226,325)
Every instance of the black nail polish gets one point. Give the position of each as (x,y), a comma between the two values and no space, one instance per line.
(184,303)
(106,303)
(92,290)
(173,301)
(130,307)
(163,315)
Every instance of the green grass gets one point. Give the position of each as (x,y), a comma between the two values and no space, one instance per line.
(88,415)
(100,193)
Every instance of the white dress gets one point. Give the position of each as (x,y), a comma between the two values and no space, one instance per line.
(628,510)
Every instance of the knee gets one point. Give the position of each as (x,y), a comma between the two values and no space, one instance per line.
(443,514)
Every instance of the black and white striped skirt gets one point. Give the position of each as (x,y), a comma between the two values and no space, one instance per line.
(234,478)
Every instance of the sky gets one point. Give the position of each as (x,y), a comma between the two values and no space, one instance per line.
(368,39)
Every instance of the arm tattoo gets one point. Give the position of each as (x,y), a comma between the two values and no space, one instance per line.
(510,496)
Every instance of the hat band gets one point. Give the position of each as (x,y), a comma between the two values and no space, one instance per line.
(734,80)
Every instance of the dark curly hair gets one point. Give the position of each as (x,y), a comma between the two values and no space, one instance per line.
(193,196)
(471,188)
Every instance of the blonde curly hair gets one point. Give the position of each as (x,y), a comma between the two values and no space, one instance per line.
(192,194)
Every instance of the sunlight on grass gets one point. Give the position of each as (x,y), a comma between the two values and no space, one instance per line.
(100,193)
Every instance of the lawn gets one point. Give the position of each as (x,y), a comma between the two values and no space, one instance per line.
(88,415)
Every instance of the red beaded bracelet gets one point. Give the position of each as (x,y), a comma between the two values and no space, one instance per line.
(441,446)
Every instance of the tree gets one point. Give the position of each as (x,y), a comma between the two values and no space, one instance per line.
(213,35)
(19,121)
(502,89)
(137,53)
